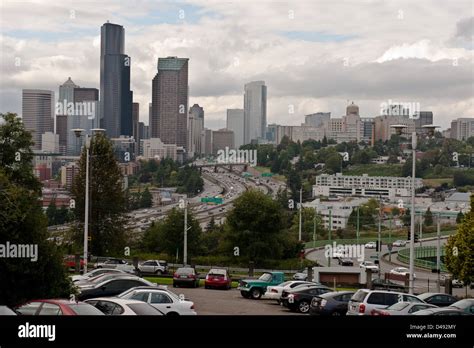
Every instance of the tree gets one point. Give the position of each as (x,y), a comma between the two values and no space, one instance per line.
(107,200)
(51,213)
(211,225)
(459,257)
(307,227)
(333,163)
(428,218)
(22,222)
(146,199)
(406,218)
(459,217)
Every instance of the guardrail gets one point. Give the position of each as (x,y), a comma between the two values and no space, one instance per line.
(420,254)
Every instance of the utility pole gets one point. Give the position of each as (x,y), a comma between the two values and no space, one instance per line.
(438,249)
(185,253)
(421,228)
(412,224)
(314,228)
(301,207)
(357,232)
(379,234)
(330,231)
(86,208)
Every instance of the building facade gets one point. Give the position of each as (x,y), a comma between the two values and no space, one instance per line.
(154,148)
(235,122)
(195,127)
(38,113)
(255,111)
(221,139)
(462,128)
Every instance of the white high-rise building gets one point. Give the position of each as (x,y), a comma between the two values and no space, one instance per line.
(38,113)
(235,122)
(462,128)
(195,127)
(255,111)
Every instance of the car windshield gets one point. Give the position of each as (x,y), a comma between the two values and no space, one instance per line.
(85,309)
(398,306)
(144,309)
(217,272)
(266,277)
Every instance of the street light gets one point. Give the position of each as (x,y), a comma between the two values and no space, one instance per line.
(78,132)
(398,130)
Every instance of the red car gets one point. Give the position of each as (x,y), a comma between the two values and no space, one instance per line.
(70,262)
(57,307)
(218,278)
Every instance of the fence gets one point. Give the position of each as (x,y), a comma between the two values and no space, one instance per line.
(421,255)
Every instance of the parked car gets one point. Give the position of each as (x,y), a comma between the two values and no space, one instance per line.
(110,263)
(303,275)
(152,267)
(403,308)
(371,245)
(466,305)
(382,284)
(438,299)
(399,243)
(369,265)
(70,262)
(403,271)
(4,310)
(255,288)
(345,261)
(218,278)
(99,278)
(120,306)
(186,276)
(299,299)
(364,301)
(331,303)
(94,273)
(274,292)
(112,287)
(166,301)
(57,307)
(441,311)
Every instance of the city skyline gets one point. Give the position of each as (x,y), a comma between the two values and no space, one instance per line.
(312,58)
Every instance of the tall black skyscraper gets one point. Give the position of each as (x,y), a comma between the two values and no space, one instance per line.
(115,94)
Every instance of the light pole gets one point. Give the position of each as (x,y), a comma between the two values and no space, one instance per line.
(78,132)
(184,205)
(301,207)
(398,129)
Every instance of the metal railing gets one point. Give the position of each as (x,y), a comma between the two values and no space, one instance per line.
(421,254)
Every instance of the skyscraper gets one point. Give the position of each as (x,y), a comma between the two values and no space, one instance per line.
(37,113)
(115,94)
(255,111)
(61,131)
(136,120)
(422,118)
(169,115)
(235,122)
(195,127)
(66,96)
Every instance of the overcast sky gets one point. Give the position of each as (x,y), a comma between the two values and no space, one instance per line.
(313,55)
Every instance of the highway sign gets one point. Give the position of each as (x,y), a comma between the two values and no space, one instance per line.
(215,200)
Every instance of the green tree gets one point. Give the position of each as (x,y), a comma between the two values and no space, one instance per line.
(22,221)
(406,218)
(107,200)
(459,257)
(459,217)
(146,199)
(308,216)
(428,217)
(51,213)
(333,163)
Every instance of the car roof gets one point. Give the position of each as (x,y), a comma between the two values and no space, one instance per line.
(336,293)
(429,294)
(58,301)
(122,301)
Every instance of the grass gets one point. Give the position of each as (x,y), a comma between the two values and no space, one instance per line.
(437,182)
(169,281)
(375,170)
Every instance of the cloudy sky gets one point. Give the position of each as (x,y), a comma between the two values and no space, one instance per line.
(314,55)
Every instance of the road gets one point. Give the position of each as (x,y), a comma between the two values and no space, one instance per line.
(229,302)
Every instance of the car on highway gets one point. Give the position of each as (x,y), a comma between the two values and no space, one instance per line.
(438,299)
(364,301)
(371,245)
(57,307)
(111,287)
(186,276)
(152,267)
(399,243)
(331,303)
(95,273)
(369,265)
(255,288)
(303,275)
(166,301)
(402,308)
(402,271)
(441,311)
(466,305)
(218,278)
(299,299)
(274,292)
(120,306)
(345,261)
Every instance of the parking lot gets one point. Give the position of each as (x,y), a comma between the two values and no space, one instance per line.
(229,302)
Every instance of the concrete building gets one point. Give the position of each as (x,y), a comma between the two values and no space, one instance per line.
(368,130)
(169,114)
(303,132)
(124,148)
(422,118)
(383,130)
(85,116)
(462,128)
(135,125)
(68,174)
(386,187)
(50,142)
(65,99)
(154,148)
(206,140)
(221,139)
(255,111)
(277,132)
(115,94)
(195,127)
(61,131)
(317,119)
(235,122)
(38,113)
